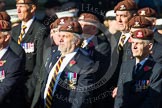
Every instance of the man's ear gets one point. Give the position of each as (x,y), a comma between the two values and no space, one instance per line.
(33,8)
(150,46)
(7,37)
(78,41)
(154,21)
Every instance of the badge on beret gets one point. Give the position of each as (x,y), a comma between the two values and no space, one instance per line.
(69,27)
(2,75)
(81,17)
(71,79)
(122,7)
(62,22)
(143,12)
(137,24)
(139,34)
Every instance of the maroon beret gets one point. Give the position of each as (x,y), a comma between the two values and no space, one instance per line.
(139,22)
(72,26)
(88,17)
(27,2)
(60,21)
(147,12)
(4,16)
(126,5)
(144,34)
(5,24)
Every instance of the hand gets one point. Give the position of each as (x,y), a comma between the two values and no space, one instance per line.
(114,93)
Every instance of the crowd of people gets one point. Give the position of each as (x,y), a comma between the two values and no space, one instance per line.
(71,59)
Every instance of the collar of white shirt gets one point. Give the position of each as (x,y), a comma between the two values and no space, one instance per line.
(28,24)
(3,51)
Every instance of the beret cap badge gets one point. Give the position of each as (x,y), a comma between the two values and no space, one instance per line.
(62,21)
(137,24)
(69,27)
(122,7)
(139,34)
(143,12)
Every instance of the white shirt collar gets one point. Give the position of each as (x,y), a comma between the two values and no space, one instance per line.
(3,51)
(28,24)
(127,37)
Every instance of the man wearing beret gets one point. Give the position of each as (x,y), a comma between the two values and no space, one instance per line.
(98,48)
(30,35)
(11,69)
(124,10)
(139,22)
(151,15)
(74,75)
(140,79)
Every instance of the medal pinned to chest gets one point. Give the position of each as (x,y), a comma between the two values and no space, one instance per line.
(28,47)
(71,79)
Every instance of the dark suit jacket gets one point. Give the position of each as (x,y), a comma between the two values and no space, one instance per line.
(75,99)
(142,90)
(11,92)
(36,35)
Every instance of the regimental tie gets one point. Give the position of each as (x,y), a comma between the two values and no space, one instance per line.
(52,83)
(121,42)
(22,33)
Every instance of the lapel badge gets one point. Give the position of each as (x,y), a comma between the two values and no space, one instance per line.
(71,79)
(2,62)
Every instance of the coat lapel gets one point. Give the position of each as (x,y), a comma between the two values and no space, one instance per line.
(29,33)
(146,69)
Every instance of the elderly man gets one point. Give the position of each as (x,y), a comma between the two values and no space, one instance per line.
(140,80)
(30,35)
(11,69)
(71,75)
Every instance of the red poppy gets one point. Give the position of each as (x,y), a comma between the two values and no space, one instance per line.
(72,62)
(2,62)
(147,68)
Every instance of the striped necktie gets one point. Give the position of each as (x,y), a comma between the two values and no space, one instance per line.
(121,42)
(52,83)
(21,34)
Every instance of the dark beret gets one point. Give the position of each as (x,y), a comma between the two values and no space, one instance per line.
(5,24)
(88,17)
(27,2)
(72,26)
(139,22)
(144,34)
(147,12)
(60,21)
(126,5)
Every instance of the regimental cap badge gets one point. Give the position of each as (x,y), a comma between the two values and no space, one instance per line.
(137,24)
(69,28)
(139,34)
(122,7)
(82,17)
(62,21)
(143,12)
